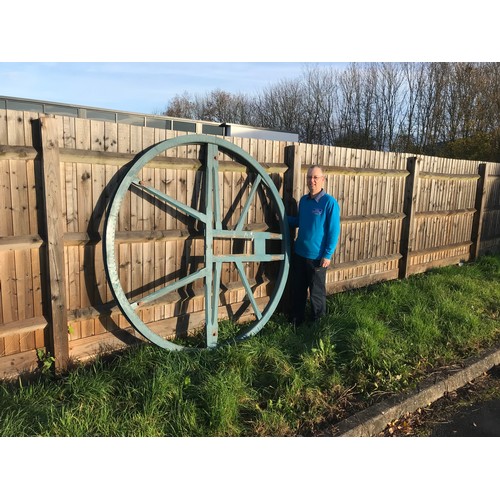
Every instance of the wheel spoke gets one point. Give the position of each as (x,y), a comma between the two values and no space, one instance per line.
(248,289)
(212,292)
(245,209)
(171,287)
(172,201)
(214,172)
(211,296)
(248,258)
(248,235)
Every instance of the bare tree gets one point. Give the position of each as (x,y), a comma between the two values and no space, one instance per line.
(281,106)
(430,108)
(348,113)
(215,106)
(320,94)
(412,87)
(357,106)
(181,106)
(490,105)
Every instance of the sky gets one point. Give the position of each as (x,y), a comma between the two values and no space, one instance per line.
(142,87)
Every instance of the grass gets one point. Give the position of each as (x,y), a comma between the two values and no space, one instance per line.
(375,342)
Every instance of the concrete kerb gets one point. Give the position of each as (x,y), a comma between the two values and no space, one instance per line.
(373,420)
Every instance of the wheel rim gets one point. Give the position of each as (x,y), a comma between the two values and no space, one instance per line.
(211,218)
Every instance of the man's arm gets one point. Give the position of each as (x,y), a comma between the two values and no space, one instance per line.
(332,233)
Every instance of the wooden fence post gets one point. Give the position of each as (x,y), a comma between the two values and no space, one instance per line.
(293,179)
(54,229)
(409,207)
(292,193)
(477,221)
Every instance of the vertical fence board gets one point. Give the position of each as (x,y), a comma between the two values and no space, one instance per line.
(409,208)
(480,201)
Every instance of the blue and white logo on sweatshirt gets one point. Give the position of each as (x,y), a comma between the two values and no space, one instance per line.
(317,211)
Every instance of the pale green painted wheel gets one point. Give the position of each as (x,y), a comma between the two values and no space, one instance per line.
(213,229)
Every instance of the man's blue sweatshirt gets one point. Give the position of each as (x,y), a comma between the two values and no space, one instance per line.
(319,226)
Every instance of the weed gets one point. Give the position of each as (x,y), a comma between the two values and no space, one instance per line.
(45,361)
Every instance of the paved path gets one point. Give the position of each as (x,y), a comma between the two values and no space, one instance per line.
(482,420)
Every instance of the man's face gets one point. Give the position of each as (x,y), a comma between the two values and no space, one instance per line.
(315,180)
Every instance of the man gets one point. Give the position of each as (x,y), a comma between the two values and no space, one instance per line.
(318,221)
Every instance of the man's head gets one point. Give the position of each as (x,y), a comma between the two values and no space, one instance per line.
(315,180)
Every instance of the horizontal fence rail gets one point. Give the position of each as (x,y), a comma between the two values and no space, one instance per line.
(401,214)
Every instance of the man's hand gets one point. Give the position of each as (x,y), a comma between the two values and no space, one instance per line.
(325,262)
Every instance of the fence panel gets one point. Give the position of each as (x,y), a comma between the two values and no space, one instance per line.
(386,228)
(490,228)
(444,212)
(22,321)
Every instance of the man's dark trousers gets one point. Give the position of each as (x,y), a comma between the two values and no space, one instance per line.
(307,275)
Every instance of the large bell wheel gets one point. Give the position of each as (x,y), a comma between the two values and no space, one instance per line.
(210,218)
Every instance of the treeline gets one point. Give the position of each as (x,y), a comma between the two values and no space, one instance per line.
(447,109)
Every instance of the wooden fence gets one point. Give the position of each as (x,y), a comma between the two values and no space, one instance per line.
(400,215)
